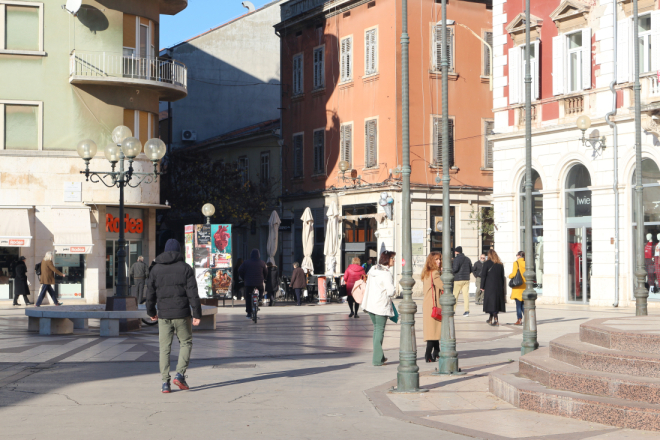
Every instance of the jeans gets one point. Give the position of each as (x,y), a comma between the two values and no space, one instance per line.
(46,288)
(464,287)
(167,328)
(298,295)
(379,333)
(520,309)
(139,285)
(479,295)
(248,296)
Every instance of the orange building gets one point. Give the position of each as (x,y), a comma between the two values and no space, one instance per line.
(341,100)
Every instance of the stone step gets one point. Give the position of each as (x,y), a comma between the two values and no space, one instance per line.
(571,350)
(640,334)
(557,375)
(527,394)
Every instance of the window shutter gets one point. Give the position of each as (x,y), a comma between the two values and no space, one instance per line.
(298,156)
(536,79)
(347,59)
(343,61)
(558,71)
(437,127)
(319,154)
(623,58)
(436,47)
(451,142)
(655,41)
(514,75)
(488,144)
(370,52)
(370,144)
(586,58)
(450,48)
(488,36)
(346,141)
(318,68)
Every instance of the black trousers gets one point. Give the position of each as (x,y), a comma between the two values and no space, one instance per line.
(298,295)
(432,349)
(139,286)
(248,296)
(352,304)
(25,299)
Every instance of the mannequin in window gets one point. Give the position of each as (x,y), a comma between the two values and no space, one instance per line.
(648,262)
(539,262)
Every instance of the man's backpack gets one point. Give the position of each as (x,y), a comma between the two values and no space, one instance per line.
(37,269)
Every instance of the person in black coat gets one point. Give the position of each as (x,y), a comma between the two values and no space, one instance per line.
(21,282)
(272,282)
(254,273)
(493,281)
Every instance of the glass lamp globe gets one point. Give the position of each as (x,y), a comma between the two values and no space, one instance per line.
(155,149)
(112,153)
(208,210)
(583,122)
(131,147)
(120,133)
(343,166)
(86,149)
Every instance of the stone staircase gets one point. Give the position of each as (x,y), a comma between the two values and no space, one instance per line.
(609,373)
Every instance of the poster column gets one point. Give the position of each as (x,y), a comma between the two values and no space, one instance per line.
(208,251)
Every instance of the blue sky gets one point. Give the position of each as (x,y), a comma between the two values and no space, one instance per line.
(199,17)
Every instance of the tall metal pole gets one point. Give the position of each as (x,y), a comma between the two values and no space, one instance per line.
(529,342)
(121,243)
(641,294)
(448,360)
(407,377)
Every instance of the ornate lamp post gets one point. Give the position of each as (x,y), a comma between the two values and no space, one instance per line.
(448,360)
(208,210)
(407,377)
(125,147)
(530,342)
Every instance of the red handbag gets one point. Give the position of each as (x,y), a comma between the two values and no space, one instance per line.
(436,312)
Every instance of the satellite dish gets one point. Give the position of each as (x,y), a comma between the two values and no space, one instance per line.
(73,6)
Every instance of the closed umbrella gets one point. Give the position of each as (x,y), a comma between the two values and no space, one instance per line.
(331,239)
(273,231)
(308,240)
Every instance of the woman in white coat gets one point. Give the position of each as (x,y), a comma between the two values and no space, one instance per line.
(377,301)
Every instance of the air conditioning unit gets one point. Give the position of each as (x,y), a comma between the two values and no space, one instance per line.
(188,135)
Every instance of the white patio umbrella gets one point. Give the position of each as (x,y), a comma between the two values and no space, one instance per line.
(273,231)
(308,240)
(331,244)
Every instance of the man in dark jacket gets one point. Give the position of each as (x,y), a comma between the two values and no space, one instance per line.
(462,268)
(173,288)
(254,273)
(298,281)
(140,272)
(476,271)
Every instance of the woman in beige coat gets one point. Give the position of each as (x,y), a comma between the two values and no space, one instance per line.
(432,287)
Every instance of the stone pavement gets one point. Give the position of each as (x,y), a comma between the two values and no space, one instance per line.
(301,372)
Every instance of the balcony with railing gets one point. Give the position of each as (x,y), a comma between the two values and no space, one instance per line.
(650,88)
(168,77)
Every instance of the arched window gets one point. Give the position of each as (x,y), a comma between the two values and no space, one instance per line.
(537,225)
(578,233)
(651,200)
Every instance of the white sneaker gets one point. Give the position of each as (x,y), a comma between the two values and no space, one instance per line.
(466,314)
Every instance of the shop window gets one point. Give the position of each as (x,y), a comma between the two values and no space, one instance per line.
(8,257)
(436,225)
(537,226)
(578,234)
(359,238)
(651,194)
(72,285)
(578,195)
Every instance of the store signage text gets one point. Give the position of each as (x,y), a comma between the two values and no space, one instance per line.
(14,242)
(131,225)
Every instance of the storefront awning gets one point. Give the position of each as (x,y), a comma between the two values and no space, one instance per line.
(72,230)
(15,227)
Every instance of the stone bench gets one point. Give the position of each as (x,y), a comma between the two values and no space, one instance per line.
(61,320)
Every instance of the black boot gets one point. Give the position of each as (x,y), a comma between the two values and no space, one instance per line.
(428,356)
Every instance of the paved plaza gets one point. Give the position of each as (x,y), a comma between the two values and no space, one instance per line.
(300,373)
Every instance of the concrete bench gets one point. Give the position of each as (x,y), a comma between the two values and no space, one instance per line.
(61,320)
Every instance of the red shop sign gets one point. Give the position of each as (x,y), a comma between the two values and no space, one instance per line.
(131,225)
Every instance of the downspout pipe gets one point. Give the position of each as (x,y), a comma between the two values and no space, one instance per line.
(615,147)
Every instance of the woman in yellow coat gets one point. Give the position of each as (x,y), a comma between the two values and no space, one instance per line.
(433,287)
(517,292)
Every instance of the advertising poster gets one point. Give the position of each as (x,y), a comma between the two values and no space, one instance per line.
(204,287)
(208,250)
(203,235)
(221,239)
(189,253)
(202,256)
(188,238)
(222,281)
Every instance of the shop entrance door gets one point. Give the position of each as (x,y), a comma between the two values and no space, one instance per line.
(133,251)
(579,263)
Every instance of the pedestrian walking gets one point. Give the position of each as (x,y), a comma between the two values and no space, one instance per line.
(21,283)
(476,271)
(462,268)
(272,282)
(47,279)
(140,272)
(254,273)
(171,293)
(377,302)
(367,265)
(353,273)
(517,291)
(492,283)
(433,287)
(238,281)
(298,281)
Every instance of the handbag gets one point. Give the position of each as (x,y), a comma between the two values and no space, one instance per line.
(436,312)
(516,280)
(394,318)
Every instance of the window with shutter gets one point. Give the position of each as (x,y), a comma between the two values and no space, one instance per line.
(265,168)
(488,144)
(437,48)
(437,141)
(346,59)
(346,141)
(371,143)
(370,52)
(319,68)
(298,155)
(319,152)
(488,38)
(244,168)
(298,74)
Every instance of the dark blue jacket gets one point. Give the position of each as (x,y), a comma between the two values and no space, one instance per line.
(254,270)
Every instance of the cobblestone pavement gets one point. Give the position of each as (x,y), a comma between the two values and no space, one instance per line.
(301,372)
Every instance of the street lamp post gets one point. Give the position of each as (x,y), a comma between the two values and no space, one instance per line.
(125,147)
(448,359)
(407,377)
(208,210)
